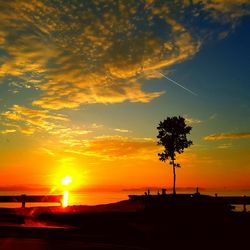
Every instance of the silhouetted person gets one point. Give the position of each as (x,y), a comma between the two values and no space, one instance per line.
(164,191)
(148,191)
(244,205)
(197,193)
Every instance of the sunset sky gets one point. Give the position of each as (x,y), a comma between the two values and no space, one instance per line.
(82,90)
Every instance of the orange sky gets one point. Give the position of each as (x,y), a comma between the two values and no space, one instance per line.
(123,169)
(84,84)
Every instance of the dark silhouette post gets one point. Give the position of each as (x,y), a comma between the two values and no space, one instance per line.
(173,137)
(23,199)
(164,191)
(244,205)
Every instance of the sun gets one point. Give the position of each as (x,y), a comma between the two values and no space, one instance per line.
(66,180)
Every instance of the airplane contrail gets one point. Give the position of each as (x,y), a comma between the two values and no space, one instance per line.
(188,90)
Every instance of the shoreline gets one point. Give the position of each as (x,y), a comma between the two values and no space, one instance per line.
(126,225)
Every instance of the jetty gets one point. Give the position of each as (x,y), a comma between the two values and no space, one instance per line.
(23,199)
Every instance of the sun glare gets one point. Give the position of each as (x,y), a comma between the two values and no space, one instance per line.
(66,180)
(65,198)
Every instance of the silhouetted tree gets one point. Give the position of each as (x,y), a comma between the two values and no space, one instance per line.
(173,136)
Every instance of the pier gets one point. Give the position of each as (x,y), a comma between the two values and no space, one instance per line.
(23,199)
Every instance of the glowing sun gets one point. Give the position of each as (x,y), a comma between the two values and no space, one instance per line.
(66,180)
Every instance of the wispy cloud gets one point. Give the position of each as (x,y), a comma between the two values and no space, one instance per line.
(106,147)
(122,130)
(7,131)
(223,136)
(116,147)
(225,146)
(229,10)
(29,120)
(191,120)
(96,53)
(213,116)
(51,153)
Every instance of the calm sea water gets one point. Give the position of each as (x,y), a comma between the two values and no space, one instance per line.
(94,198)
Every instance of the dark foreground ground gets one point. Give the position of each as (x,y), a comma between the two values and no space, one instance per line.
(125,225)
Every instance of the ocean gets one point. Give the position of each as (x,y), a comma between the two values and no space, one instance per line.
(105,197)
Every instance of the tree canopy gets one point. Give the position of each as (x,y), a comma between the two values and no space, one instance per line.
(173,136)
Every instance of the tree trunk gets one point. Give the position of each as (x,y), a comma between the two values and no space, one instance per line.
(174,191)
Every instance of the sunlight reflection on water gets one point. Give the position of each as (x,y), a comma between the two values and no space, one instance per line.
(95,198)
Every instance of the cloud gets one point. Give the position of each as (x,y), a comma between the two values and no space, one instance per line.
(213,116)
(28,121)
(111,137)
(101,52)
(21,113)
(122,130)
(109,93)
(232,10)
(32,120)
(93,53)
(231,136)
(152,74)
(191,120)
(66,131)
(7,131)
(49,152)
(106,147)
(117,147)
(225,146)
(96,126)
